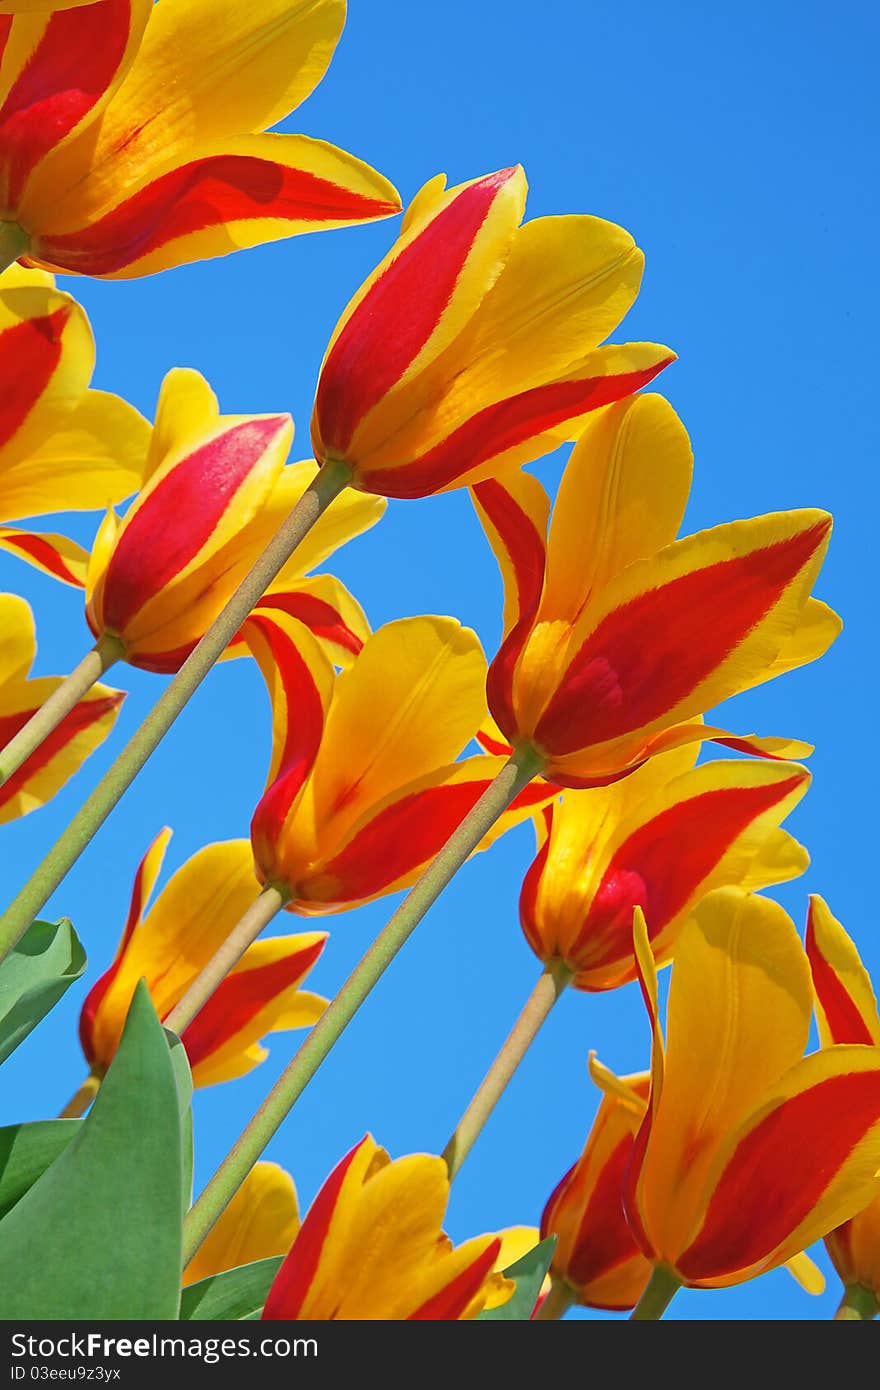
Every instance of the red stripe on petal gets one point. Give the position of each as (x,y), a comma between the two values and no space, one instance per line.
(503,426)
(398,314)
(206,193)
(844,1020)
(29,354)
(319,617)
(71,68)
(179,516)
(652,652)
(294,1278)
(5,26)
(240,998)
(44,553)
(528,902)
(83,716)
(662,864)
(449,1304)
(779,1172)
(603,1239)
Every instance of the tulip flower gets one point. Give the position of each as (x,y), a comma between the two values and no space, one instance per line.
(215,492)
(846,1011)
(617,637)
(659,839)
(168,946)
(749,1151)
(596,1262)
(63,447)
(474,346)
(78,734)
(131,134)
(372,1247)
(364,787)
(261,1221)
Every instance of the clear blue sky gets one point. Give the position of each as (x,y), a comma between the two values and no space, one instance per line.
(737,144)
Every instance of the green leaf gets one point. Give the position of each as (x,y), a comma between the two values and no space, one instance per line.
(26,1151)
(183,1081)
(34,976)
(236,1294)
(529,1274)
(99,1235)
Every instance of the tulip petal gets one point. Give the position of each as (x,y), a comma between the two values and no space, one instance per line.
(394,839)
(818,628)
(679,632)
(410,703)
(846,1006)
(247,191)
(18,640)
(327,609)
(59,71)
(187,412)
(464,1274)
(255,999)
(622,497)
(738,1017)
(427,288)
(806,1273)
(261,1221)
(62,752)
(51,553)
(805,1162)
(46,360)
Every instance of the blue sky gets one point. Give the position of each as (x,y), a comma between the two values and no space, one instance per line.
(736,144)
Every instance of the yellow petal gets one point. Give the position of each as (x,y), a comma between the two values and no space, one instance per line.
(806,1272)
(64,559)
(261,1221)
(18,641)
(846,1006)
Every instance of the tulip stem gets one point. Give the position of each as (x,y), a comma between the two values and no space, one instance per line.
(552,981)
(857,1305)
(516,774)
(81,1100)
(59,704)
(557,1303)
(330,480)
(258,916)
(659,1292)
(14,242)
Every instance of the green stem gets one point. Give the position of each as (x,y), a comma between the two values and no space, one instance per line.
(859,1304)
(517,772)
(554,979)
(258,916)
(81,1100)
(557,1303)
(59,704)
(14,242)
(327,485)
(659,1292)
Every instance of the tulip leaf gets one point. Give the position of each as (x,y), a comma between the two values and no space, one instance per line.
(34,976)
(98,1236)
(183,1081)
(26,1151)
(235,1294)
(529,1274)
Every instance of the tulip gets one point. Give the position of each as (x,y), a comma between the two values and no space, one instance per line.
(372,1247)
(617,637)
(215,492)
(260,1222)
(63,447)
(659,839)
(364,786)
(749,1151)
(168,945)
(474,346)
(846,1012)
(596,1262)
(78,734)
(131,134)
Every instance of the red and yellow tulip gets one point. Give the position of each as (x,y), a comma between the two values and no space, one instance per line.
(846,1011)
(364,787)
(749,1151)
(131,134)
(596,1259)
(262,1220)
(372,1247)
(68,746)
(474,346)
(169,945)
(617,637)
(659,839)
(215,491)
(63,447)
